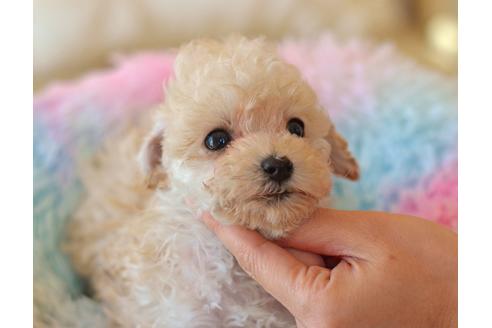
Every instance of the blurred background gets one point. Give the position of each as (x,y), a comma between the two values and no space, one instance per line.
(75,36)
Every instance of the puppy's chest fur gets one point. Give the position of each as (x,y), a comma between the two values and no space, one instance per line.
(151,261)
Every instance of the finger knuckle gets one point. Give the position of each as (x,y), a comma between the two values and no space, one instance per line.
(314,277)
(310,285)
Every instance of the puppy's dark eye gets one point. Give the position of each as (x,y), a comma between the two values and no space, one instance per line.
(296,126)
(217,139)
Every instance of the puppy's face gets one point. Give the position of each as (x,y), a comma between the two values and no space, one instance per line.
(245,132)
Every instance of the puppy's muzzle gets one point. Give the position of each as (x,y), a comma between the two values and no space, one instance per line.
(277,169)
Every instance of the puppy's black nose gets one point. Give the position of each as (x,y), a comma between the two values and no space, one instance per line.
(277,169)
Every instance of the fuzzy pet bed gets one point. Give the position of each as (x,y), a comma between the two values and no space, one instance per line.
(400,121)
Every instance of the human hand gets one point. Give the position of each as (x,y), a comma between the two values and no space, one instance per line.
(394,270)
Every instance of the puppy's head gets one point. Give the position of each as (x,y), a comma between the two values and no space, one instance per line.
(244,131)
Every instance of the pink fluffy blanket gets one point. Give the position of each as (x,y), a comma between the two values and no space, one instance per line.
(400,120)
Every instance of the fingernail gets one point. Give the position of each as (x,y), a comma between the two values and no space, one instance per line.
(208,219)
(204,214)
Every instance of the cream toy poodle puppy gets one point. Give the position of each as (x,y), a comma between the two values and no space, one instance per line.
(240,135)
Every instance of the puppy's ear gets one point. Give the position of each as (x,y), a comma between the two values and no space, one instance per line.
(150,158)
(342,161)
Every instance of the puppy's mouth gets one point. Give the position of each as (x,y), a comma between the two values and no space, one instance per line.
(278,196)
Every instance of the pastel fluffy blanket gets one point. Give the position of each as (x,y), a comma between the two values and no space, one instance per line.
(400,120)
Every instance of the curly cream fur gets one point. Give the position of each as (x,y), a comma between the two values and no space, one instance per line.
(150,259)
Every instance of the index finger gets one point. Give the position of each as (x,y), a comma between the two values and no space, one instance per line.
(273,267)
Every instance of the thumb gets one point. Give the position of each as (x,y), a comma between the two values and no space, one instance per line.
(356,234)
(274,268)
